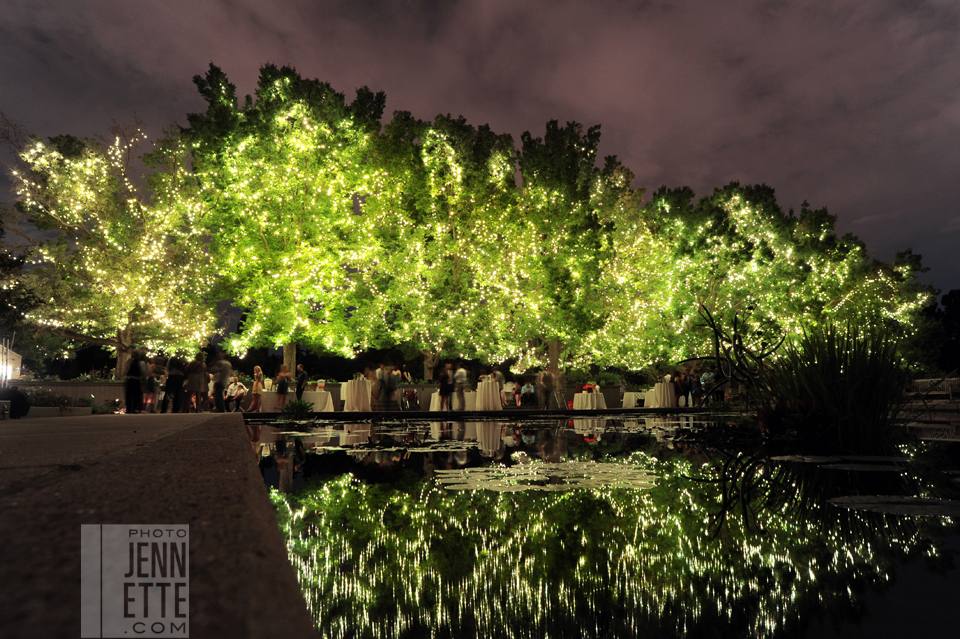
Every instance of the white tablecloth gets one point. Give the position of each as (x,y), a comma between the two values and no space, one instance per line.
(488,437)
(356,395)
(322,400)
(662,396)
(488,396)
(588,401)
(469,397)
(630,400)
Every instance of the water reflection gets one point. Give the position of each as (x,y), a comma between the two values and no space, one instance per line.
(588,528)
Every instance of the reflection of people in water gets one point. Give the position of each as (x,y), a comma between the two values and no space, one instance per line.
(284,469)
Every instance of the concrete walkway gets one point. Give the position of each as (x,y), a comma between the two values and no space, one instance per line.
(56,474)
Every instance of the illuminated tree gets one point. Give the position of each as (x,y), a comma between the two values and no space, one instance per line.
(282,174)
(737,250)
(443,215)
(570,212)
(113,265)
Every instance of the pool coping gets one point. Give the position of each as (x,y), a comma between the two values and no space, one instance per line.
(143,469)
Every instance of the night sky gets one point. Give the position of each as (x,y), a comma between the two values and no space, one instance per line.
(850,105)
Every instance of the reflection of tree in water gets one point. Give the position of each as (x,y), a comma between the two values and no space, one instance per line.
(385,560)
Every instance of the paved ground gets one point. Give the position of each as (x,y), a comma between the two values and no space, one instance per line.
(199,470)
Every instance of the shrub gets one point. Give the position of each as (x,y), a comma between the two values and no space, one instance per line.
(42,397)
(102,409)
(608,379)
(297,409)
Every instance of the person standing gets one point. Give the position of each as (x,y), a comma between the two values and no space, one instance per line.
(460,379)
(707,380)
(283,386)
(301,381)
(156,373)
(173,390)
(256,400)
(222,374)
(500,380)
(196,382)
(136,373)
(446,387)
(546,389)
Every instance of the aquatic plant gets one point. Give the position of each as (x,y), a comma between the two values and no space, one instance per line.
(840,386)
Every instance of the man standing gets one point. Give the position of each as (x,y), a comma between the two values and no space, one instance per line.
(546,389)
(221,378)
(500,380)
(173,392)
(460,379)
(301,381)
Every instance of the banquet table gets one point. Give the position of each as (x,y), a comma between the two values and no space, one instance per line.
(588,401)
(322,400)
(469,398)
(356,395)
(630,400)
(488,396)
(662,396)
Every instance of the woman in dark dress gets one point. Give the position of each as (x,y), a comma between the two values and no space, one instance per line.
(446,387)
(283,386)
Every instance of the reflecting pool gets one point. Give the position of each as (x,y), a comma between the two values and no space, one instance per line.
(656,527)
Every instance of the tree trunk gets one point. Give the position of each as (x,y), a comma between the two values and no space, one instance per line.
(553,355)
(430,361)
(290,356)
(124,352)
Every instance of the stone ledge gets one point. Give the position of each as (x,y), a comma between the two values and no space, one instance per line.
(205,475)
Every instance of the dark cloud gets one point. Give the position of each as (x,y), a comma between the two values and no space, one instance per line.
(850,105)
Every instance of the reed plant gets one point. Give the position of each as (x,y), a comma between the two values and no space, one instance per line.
(845,387)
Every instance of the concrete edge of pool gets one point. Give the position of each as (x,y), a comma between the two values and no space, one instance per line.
(56,474)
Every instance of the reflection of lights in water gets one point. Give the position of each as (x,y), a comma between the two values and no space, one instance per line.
(375,560)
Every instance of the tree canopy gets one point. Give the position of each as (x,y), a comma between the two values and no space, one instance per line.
(331,228)
(111,263)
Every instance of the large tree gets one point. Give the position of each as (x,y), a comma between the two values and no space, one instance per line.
(736,250)
(570,210)
(444,212)
(282,174)
(113,264)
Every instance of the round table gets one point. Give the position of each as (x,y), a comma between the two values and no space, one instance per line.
(662,396)
(588,401)
(488,396)
(322,400)
(630,400)
(469,398)
(356,395)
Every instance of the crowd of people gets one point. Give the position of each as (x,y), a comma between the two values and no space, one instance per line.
(694,387)
(195,386)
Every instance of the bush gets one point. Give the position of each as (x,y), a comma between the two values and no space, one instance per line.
(42,397)
(102,409)
(608,379)
(297,409)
